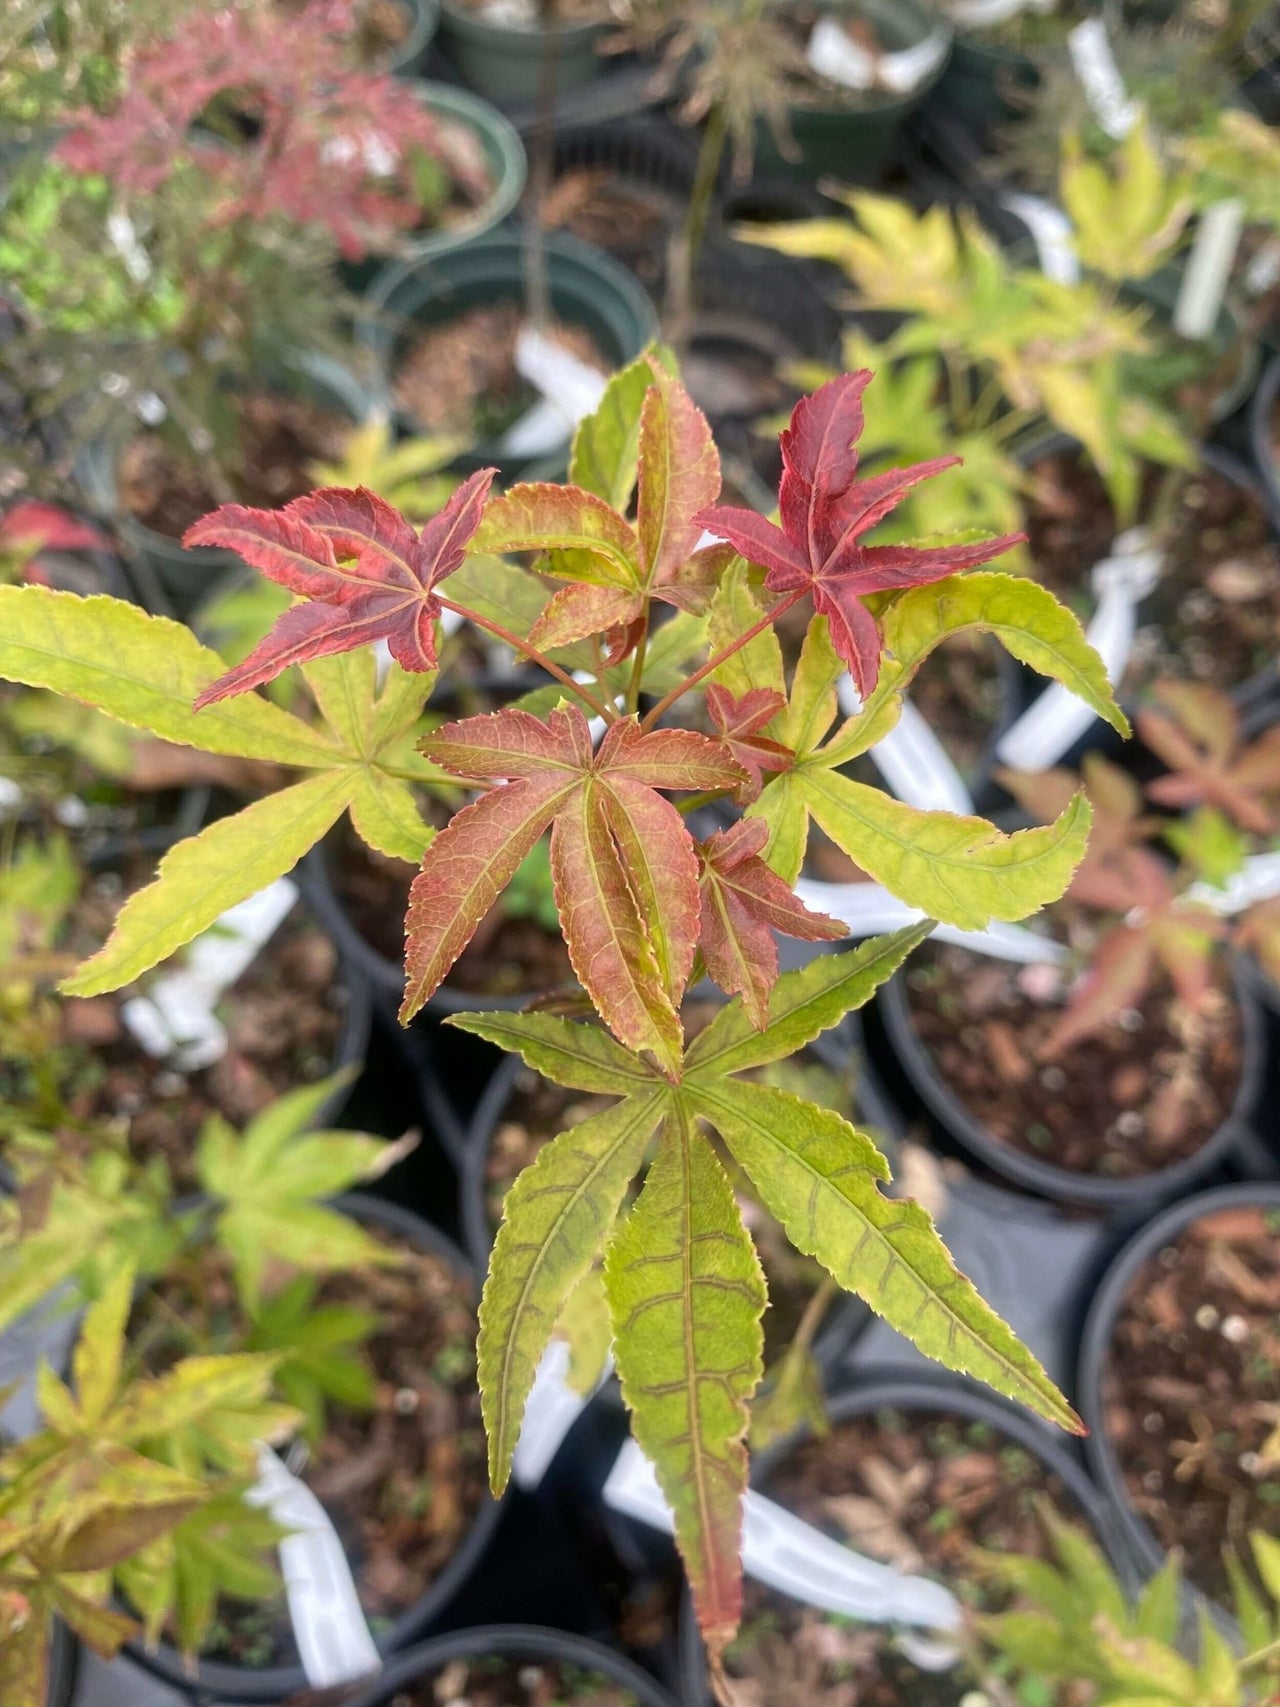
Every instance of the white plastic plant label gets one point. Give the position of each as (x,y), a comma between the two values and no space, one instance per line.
(1099,75)
(1057,719)
(869,909)
(1204,283)
(1050,232)
(175,1021)
(1263,271)
(832,53)
(1258,879)
(984,14)
(122,234)
(568,389)
(552,1409)
(329,1626)
(793,1557)
(912,760)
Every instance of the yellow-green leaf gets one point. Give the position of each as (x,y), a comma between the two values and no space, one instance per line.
(959,870)
(200,878)
(1026,619)
(686,1293)
(145,671)
(821,1178)
(802,1004)
(736,607)
(555,1220)
(584,1057)
(384,813)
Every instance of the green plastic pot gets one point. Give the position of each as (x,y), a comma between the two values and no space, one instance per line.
(856,138)
(982,82)
(503,62)
(408,58)
(588,289)
(504,155)
(169,574)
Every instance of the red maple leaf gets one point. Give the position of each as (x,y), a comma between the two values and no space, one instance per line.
(32,526)
(624,864)
(826,509)
(1196,731)
(743,904)
(739,722)
(367,574)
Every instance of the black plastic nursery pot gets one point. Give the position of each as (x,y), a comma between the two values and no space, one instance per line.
(589,291)
(63,1654)
(1251,688)
(985,83)
(633,177)
(212,1681)
(504,61)
(855,137)
(351,1039)
(1264,435)
(1116,1286)
(522,1644)
(922,1089)
(926,1396)
(169,575)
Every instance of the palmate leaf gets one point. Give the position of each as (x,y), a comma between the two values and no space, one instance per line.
(687,1364)
(686,1293)
(145,671)
(555,1221)
(821,1178)
(623,862)
(363,572)
(826,509)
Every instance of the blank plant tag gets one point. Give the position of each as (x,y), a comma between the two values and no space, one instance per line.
(1056,719)
(1095,66)
(328,1621)
(1204,284)
(1050,232)
(175,1020)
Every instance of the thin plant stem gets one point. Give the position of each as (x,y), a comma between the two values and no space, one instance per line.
(581,692)
(637,673)
(537,281)
(686,244)
(720,657)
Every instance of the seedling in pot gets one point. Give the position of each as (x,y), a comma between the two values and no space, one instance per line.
(129,1472)
(682,1277)
(241,151)
(1075,1623)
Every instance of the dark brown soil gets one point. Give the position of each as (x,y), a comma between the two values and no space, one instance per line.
(1145,1092)
(498,1682)
(460,376)
(403,1481)
(506,957)
(1190,1390)
(602,207)
(1214,616)
(539,1111)
(283,1017)
(279,437)
(381,26)
(920,1492)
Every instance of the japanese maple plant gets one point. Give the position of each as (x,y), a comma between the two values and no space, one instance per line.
(630,564)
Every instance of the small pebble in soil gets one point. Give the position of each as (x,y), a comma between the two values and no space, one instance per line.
(1130,1124)
(1153,1422)
(1235,1329)
(1129,1019)
(1053,1079)
(1207,1318)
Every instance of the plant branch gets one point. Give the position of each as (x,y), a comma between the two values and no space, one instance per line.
(535,657)
(720,657)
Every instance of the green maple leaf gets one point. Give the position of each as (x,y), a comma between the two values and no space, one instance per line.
(683,1282)
(960,870)
(146,671)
